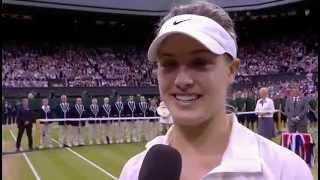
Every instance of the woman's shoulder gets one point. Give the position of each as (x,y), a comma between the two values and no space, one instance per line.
(130,170)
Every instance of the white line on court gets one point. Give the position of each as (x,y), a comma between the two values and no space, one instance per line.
(27,159)
(88,161)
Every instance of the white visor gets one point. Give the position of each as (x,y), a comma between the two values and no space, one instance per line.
(203,29)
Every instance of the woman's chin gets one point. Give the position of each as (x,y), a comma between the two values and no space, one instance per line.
(187,119)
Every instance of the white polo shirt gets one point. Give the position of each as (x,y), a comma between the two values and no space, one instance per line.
(267,105)
(248,156)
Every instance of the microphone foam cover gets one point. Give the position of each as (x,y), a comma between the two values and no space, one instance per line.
(161,162)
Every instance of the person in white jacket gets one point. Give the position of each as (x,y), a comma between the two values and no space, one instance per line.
(265,110)
(196,55)
(165,120)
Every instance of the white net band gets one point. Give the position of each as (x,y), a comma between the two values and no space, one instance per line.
(134,118)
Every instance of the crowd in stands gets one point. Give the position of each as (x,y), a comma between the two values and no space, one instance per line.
(31,66)
(280,88)
(75,67)
(276,57)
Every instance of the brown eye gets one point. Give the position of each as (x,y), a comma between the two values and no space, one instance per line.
(201,63)
(167,64)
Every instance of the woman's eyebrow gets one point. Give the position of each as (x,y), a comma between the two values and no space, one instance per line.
(166,54)
(198,51)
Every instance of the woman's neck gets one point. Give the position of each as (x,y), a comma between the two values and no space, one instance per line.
(209,138)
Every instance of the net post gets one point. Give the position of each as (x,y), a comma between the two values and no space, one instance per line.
(279,120)
(38,132)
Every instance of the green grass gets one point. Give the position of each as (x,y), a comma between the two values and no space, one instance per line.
(111,157)
(13,163)
(64,165)
(18,168)
(61,164)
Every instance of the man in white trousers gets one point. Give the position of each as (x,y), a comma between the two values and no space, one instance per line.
(94,125)
(152,123)
(45,113)
(142,112)
(78,111)
(118,107)
(106,113)
(63,112)
(130,125)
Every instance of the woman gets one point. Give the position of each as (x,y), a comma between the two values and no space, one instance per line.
(195,51)
(265,109)
(165,120)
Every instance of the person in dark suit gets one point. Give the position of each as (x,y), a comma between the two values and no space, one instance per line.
(313,108)
(107,128)
(94,125)
(53,100)
(129,126)
(296,111)
(9,112)
(152,130)
(13,112)
(5,110)
(152,108)
(78,111)
(45,113)
(118,109)
(279,117)
(63,112)
(250,106)
(231,105)
(142,107)
(24,122)
(142,110)
(241,106)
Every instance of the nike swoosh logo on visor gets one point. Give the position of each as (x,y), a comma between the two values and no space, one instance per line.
(178,22)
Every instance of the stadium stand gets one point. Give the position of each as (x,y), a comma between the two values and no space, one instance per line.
(29,66)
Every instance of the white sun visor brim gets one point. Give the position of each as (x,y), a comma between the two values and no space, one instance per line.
(203,29)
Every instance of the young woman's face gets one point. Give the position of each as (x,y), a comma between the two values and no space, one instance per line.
(192,80)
